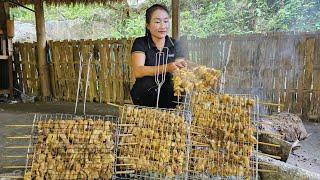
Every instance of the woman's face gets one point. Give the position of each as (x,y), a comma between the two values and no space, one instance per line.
(159,24)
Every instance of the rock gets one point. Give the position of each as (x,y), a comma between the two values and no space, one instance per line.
(288,125)
(283,171)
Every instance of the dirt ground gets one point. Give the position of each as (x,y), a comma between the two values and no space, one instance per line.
(307,157)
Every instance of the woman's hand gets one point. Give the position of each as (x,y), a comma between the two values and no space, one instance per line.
(171,67)
(180,63)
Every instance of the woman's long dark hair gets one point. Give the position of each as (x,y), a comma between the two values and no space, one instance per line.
(149,12)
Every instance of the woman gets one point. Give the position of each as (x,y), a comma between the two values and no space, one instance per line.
(144,65)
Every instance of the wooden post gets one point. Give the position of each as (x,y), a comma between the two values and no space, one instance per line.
(41,44)
(175,4)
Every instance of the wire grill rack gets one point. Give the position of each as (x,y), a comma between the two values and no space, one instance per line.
(152,143)
(64,146)
(222,136)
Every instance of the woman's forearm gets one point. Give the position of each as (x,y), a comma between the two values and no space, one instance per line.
(141,71)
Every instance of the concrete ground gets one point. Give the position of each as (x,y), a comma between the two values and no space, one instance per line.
(307,157)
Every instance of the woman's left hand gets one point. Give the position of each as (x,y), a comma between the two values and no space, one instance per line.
(180,63)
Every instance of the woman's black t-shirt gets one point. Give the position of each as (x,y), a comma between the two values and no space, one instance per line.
(144,91)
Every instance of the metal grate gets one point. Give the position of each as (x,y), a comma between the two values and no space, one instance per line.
(152,144)
(222,141)
(64,146)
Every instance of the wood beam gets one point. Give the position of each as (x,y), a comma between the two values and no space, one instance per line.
(3,17)
(175,4)
(41,45)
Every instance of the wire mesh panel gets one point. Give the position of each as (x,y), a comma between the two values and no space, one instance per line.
(71,147)
(151,143)
(222,136)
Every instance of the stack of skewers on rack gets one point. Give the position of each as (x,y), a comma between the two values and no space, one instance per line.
(209,135)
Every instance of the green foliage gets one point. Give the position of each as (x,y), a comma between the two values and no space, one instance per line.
(200,18)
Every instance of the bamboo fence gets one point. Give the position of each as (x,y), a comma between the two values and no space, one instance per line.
(281,68)
(109,79)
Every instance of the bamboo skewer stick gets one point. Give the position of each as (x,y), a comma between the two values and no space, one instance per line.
(272,156)
(195,143)
(127,125)
(116,105)
(262,163)
(14,167)
(12,177)
(17,147)
(125,172)
(18,125)
(269,144)
(270,133)
(124,144)
(125,135)
(15,156)
(270,104)
(19,137)
(266,170)
(124,164)
(124,157)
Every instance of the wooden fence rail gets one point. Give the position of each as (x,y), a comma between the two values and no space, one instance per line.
(281,68)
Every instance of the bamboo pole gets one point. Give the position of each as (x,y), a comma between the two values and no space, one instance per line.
(175,18)
(41,45)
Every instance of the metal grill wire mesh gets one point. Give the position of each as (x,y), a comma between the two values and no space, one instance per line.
(151,143)
(222,141)
(64,146)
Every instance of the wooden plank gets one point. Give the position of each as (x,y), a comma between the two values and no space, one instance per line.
(52,73)
(75,45)
(24,63)
(64,70)
(285,65)
(315,99)
(72,73)
(310,42)
(103,70)
(109,73)
(57,70)
(33,70)
(92,77)
(117,75)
